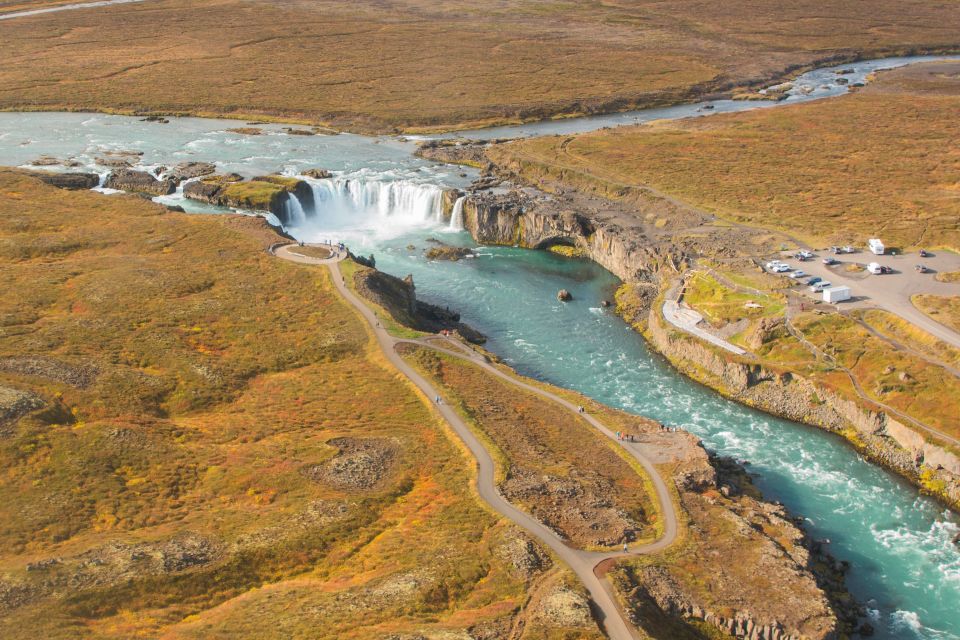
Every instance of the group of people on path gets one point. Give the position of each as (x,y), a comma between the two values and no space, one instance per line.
(626,437)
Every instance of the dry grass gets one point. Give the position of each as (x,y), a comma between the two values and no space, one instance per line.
(899,379)
(414,64)
(948,276)
(883,161)
(544,444)
(313,252)
(721,305)
(189,381)
(943,309)
(910,336)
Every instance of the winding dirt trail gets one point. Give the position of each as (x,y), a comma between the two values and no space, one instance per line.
(584,563)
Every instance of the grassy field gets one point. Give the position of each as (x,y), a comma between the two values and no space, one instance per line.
(199,440)
(899,379)
(910,336)
(720,305)
(415,64)
(883,161)
(557,467)
(943,309)
(909,379)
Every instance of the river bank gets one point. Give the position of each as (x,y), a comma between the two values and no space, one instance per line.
(706,489)
(642,254)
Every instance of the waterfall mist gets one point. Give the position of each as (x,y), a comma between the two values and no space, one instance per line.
(361,211)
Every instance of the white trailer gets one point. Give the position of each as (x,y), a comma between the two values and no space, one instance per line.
(836,294)
(876,247)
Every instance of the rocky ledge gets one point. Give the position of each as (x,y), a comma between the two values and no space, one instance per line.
(265,193)
(139,182)
(399,298)
(71,181)
(745,567)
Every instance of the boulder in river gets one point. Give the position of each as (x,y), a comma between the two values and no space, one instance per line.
(189,170)
(319,174)
(448,253)
(564,296)
(139,182)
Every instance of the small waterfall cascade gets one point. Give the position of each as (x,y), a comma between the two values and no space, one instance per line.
(293,213)
(456,216)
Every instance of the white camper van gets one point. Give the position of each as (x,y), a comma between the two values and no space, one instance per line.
(876,247)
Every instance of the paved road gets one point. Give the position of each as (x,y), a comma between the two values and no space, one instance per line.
(583,563)
(63,7)
(891,292)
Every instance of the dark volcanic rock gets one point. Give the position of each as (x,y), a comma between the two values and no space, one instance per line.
(73,181)
(564,296)
(139,182)
(319,174)
(188,170)
(448,253)
(202,191)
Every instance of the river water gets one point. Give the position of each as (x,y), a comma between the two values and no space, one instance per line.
(383,200)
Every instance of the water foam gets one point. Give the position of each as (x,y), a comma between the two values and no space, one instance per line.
(361,210)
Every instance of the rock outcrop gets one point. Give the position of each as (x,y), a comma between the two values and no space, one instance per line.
(516,219)
(319,174)
(264,193)
(190,170)
(71,181)
(446,252)
(447,202)
(399,298)
(139,182)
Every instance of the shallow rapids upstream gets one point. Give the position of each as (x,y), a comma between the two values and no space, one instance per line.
(382,200)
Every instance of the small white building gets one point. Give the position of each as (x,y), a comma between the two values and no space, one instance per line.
(876,247)
(836,294)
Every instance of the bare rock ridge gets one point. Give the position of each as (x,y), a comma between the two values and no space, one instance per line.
(398,296)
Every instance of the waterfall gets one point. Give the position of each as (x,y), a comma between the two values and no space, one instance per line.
(293,213)
(456,216)
(340,203)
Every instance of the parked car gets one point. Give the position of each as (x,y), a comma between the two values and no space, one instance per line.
(830,260)
(814,280)
(848,249)
(782,268)
(923,253)
(835,250)
(820,286)
(921,268)
(799,273)
(805,255)
(773,263)
(886,270)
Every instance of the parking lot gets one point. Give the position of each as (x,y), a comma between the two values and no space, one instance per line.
(890,292)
